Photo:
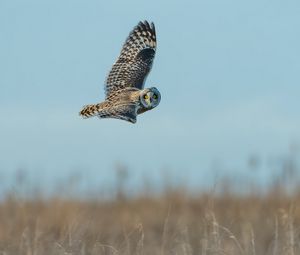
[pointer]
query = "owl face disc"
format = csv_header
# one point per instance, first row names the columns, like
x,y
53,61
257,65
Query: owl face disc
x,y
150,98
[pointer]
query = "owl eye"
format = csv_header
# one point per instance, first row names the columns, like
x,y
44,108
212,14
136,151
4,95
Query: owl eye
x,y
154,96
146,96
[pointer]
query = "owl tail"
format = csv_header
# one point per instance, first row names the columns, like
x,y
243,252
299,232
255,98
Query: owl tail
x,y
122,112
90,110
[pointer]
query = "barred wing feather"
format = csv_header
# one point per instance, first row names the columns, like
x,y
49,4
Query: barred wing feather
x,y
135,60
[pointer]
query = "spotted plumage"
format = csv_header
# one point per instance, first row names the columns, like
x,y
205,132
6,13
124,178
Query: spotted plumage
x,y
125,93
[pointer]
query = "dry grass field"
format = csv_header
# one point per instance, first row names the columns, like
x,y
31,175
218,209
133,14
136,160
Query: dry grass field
x,y
174,222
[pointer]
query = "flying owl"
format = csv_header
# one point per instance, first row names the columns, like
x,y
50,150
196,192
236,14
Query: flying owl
x,y
126,96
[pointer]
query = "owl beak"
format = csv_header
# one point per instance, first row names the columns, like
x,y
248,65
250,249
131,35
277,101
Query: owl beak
x,y
148,101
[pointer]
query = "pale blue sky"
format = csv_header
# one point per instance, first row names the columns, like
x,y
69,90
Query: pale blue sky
x,y
228,72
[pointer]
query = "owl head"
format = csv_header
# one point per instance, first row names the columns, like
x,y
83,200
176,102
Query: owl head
x,y
150,97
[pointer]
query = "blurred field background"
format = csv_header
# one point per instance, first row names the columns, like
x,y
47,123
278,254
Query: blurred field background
x,y
228,218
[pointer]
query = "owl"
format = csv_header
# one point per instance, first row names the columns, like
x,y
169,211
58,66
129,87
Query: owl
x,y
126,96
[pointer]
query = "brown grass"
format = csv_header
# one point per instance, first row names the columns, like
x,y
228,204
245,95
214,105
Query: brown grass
x,y
172,223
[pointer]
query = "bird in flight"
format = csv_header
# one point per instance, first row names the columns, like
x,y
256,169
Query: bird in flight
x,y
126,96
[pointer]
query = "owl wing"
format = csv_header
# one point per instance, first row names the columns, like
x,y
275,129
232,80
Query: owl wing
x,y
135,60
124,112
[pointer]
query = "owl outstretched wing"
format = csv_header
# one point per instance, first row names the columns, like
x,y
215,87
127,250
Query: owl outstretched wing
x,y
135,60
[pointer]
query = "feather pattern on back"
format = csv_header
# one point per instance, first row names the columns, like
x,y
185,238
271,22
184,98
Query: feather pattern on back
x,y
123,104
